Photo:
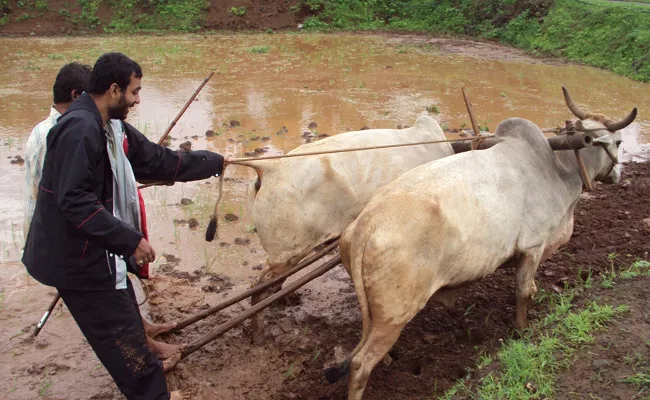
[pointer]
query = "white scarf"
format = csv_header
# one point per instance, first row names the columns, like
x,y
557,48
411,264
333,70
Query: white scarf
x,y
126,205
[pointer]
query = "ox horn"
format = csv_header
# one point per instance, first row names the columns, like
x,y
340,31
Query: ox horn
x,y
618,125
572,106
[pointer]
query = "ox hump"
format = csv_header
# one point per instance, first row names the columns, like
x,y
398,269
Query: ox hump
x,y
524,130
429,124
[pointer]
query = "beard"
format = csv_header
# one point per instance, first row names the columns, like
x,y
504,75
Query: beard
x,y
121,110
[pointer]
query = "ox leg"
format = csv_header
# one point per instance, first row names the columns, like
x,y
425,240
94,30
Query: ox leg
x,y
525,283
447,297
380,340
257,321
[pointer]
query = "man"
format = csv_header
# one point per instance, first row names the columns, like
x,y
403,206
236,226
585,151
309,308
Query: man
x,y
84,233
69,84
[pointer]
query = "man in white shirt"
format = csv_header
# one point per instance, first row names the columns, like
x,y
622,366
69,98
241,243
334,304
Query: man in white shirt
x,y
70,83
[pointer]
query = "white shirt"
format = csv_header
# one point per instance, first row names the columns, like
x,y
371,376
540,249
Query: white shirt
x,y
34,158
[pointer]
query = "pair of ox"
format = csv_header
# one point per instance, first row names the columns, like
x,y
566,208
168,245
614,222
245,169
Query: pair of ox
x,y
416,239
451,222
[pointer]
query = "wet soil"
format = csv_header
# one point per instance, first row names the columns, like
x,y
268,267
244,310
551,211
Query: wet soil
x,y
321,323
602,370
438,346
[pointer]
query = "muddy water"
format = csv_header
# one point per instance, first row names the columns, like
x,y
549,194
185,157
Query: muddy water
x,y
267,82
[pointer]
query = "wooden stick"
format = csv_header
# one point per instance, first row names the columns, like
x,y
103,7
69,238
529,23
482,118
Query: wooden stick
x,y
471,114
292,287
47,314
196,93
558,143
583,171
253,291
171,126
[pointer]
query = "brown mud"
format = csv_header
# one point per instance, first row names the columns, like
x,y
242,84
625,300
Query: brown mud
x,y
322,318
438,346
321,322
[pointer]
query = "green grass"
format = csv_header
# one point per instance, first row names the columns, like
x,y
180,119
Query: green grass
x,y
44,388
527,367
637,269
259,49
605,3
639,380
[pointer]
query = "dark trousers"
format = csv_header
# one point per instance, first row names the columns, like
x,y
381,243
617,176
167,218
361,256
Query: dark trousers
x,y
111,322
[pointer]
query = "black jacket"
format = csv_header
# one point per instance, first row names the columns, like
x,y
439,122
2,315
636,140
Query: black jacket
x,y
73,232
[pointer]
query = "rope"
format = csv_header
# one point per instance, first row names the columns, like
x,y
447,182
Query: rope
x,y
476,141
242,161
145,288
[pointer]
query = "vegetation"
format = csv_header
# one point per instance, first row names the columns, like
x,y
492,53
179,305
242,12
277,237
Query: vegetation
x,y
527,367
174,15
610,35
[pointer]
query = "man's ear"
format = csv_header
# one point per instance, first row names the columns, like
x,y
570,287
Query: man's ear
x,y
114,90
74,94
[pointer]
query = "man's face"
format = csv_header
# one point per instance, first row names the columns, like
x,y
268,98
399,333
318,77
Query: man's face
x,y
121,101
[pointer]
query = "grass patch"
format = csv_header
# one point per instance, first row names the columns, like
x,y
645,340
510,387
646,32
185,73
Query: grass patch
x,y
639,380
639,268
527,367
259,49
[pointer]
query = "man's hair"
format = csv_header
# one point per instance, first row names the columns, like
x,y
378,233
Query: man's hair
x,y
73,76
112,68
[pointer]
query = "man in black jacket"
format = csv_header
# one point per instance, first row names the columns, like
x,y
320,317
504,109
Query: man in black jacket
x,y
85,232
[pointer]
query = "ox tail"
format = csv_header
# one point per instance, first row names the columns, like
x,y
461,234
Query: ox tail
x,y
257,185
365,227
211,231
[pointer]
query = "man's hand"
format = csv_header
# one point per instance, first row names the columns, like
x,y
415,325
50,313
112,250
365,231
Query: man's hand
x,y
226,161
144,253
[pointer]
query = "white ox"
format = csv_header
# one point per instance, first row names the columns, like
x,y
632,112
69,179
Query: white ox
x,y
299,203
453,221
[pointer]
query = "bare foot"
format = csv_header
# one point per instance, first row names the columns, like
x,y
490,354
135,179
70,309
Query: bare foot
x,y
170,363
153,330
164,350
179,395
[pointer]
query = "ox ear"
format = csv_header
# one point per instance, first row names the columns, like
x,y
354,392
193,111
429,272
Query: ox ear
x,y
608,139
605,139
